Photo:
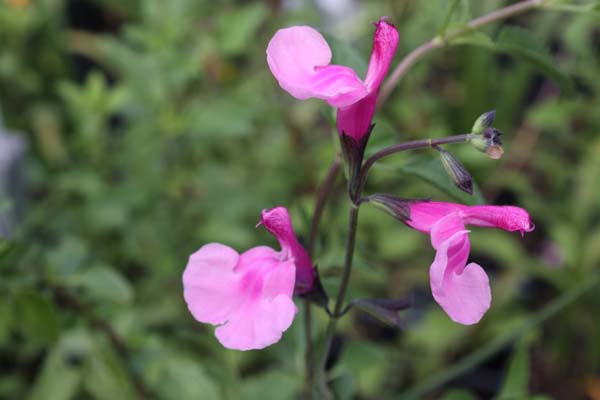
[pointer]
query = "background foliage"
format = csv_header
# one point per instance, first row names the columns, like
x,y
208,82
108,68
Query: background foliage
x,y
155,127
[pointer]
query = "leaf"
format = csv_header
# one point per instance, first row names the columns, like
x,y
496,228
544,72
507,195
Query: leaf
x,y
237,29
37,317
473,37
105,377
451,10
432,171
67,257
517,377
344,386
458,394
213,118
367,364
592,8
103,283
520,43
7,318
344,54
184,378
270,385
62,370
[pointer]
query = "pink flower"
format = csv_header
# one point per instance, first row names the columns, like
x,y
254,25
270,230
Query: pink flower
x,y
249,295
299,59
462,290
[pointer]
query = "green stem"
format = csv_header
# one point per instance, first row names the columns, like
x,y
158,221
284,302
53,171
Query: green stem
x,y
323,193
351,239
321,199
308,357
341,296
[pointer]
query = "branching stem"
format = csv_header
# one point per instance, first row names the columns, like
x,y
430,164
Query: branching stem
x,y
425,48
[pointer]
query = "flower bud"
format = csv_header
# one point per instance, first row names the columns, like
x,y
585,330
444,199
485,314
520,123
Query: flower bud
x,y
384,310
484,121
489,142
459,174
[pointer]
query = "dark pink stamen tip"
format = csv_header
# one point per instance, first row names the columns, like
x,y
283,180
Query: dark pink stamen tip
x,y
385,19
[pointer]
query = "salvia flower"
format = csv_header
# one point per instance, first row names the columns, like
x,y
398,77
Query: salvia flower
x,y
462,290
249,295
299,58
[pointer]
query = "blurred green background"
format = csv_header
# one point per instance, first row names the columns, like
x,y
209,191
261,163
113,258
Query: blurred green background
x,y
154,127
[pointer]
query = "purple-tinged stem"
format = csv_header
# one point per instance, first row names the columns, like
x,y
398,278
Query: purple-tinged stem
x,y
397,148
416,54
322,195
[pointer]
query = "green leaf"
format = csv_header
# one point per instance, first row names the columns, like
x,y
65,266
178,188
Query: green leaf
x,y
37,317
271,385
344,386
452,8
432,171
344,54
183,378
67,257
517,377
592,8
7,318
103,283
475,38
458,394
105,376
62,370
521,43
237,29
366,362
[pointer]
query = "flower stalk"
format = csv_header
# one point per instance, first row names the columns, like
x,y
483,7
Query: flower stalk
x,y
418,53
341,296
355,100
400,147
321,199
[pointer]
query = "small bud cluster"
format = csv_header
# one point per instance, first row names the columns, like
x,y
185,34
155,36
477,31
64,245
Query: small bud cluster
x,y
485,138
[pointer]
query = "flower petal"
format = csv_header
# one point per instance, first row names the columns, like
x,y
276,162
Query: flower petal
x,y
385,43
355,120
463,292
508,218
424,215
299,59
445,228
265,315
209,283
277,221
258,324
